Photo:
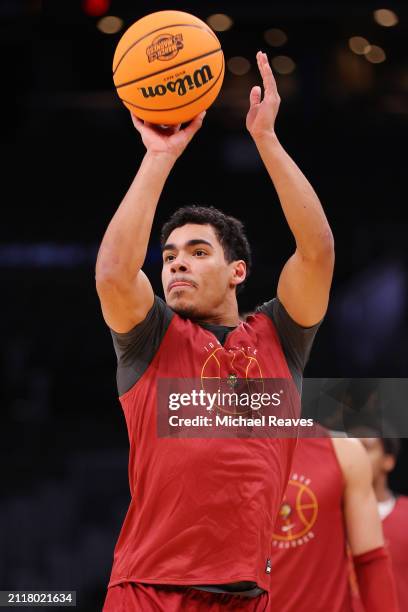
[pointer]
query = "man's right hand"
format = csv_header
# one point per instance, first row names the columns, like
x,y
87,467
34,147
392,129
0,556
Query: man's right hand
x,y
171,140
124,290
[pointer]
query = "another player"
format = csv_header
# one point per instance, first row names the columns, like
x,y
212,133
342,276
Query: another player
x,y
393,508
197,532
329,502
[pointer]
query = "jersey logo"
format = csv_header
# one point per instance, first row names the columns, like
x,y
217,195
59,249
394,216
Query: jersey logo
x,y
297,515
232,380
232,370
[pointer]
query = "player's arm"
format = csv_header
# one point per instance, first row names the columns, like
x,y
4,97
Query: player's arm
x,y
305,280
364,530
125,292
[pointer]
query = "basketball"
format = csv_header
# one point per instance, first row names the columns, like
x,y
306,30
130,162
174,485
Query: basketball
x,y
168,67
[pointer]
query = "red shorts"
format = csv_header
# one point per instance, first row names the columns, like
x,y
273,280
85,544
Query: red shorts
x,y
137,597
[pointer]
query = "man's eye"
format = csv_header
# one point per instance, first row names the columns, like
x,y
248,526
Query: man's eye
x,y
199,252
169,258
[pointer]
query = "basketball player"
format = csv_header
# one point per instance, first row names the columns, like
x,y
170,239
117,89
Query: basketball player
x,y
329,501
197,532
393,509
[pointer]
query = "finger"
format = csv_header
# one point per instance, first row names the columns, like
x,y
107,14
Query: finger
x,y
255,96
165,130
267,76
259,61
261,66
168,129
264,69
200,116
195,125
138,123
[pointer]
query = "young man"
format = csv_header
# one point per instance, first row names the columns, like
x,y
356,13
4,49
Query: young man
x,y
393,509
329,503
197,533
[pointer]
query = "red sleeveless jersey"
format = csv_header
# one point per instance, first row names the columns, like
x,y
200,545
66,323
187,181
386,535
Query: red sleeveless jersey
x,y
202,510
310,568
395,527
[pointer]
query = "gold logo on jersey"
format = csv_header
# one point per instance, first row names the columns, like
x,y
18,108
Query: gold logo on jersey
x,y
297,515
246,375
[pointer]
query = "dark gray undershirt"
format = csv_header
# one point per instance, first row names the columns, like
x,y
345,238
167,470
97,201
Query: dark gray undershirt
x,y
136,348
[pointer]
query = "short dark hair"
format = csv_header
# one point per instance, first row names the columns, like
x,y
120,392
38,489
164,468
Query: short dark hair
x,y
391,446
229,231
389,439
385,433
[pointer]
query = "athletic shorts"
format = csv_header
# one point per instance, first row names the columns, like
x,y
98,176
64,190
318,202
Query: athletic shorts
x,y
137,597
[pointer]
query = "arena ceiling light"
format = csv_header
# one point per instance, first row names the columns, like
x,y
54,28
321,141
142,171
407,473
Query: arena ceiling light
x,y
95,8
275,37
282,64
238,65
376,55
385,17
110,24
220,22
359,45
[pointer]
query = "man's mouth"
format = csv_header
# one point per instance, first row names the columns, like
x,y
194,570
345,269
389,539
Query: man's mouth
x,y
177,284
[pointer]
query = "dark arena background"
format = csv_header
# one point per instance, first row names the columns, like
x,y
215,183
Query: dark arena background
x,y
69,154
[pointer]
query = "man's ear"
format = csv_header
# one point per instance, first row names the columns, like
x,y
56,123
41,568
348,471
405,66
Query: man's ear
x,y
238,272
389,462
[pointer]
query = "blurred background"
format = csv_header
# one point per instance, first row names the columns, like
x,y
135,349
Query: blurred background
x,y
70,154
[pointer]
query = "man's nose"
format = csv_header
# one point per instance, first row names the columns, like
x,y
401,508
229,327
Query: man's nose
x,y
179,265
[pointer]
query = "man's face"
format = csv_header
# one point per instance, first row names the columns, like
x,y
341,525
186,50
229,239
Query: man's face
x,y
196,277
381,462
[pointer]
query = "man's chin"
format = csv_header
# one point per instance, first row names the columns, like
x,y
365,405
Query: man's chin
x,y
183,307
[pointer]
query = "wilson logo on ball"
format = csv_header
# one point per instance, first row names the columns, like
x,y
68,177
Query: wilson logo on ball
x,y
200,77
164,47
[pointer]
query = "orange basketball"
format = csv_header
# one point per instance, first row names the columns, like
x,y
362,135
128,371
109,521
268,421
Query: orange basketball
x,y
168,67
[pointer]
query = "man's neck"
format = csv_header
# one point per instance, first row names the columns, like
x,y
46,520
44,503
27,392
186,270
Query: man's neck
x,y
382,492
228,316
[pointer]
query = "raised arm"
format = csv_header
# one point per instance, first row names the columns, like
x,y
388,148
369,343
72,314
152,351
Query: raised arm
x,y
363,523
125,292
364,531
305,280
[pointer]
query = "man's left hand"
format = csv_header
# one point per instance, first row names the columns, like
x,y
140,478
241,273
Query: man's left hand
x,y
261,116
